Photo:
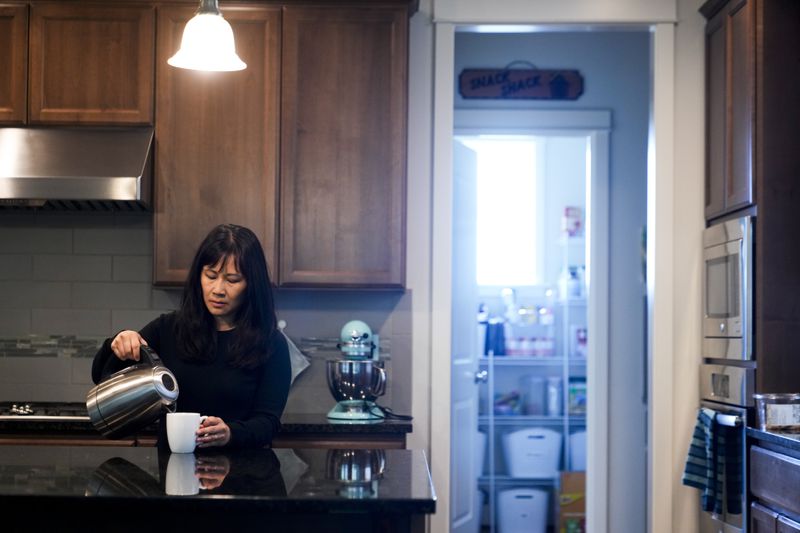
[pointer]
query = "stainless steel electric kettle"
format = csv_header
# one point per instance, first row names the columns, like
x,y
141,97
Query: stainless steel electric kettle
x,y
132,398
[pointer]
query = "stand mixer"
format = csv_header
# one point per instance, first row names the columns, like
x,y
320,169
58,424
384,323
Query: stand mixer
x,y
358,378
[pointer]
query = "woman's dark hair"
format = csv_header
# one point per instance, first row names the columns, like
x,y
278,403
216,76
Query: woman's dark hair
x,y
255,318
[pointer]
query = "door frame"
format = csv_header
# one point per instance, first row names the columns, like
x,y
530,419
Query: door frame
x,y
660,205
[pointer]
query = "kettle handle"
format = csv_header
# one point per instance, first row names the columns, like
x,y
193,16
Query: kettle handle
x,y
150,354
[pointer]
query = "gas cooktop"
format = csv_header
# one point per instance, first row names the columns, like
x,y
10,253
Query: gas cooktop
x,y
43,412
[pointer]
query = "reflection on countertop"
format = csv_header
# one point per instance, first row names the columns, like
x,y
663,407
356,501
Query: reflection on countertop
x,y
293,483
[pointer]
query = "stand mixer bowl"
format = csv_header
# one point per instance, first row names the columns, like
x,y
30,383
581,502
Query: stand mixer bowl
x,y
356,379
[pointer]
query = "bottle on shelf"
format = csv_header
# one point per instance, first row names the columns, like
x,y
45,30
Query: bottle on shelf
x,y
495,337
570,286
483,322
554,396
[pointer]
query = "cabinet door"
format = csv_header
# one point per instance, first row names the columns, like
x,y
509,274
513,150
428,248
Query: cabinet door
x,y
730,108
14,67
785,525
741,105
343,139
715,115
91,63
216,140
762,519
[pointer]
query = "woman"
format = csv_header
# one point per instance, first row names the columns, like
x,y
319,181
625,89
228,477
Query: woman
x,y
223,345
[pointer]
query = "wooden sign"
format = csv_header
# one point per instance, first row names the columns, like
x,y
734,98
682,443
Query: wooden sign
x,y
524,84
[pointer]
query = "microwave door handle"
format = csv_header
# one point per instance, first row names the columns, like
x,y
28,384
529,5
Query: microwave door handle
x,y
729,420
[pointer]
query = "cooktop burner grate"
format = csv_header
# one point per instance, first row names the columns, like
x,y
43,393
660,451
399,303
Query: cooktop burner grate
x,y
42,411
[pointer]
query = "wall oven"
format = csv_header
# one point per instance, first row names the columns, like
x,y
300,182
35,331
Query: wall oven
x,y
728,295
728,391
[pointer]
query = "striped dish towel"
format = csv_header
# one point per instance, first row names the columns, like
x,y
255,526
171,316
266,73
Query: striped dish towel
x,y
733,469
705,463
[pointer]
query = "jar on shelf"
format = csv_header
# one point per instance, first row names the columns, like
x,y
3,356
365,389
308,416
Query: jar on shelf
x,y
546,317
544,347
526,346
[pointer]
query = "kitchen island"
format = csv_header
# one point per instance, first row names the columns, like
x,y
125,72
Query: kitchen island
x,y
98,488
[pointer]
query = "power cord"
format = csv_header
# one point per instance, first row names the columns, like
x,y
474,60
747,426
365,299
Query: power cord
x,y
387,413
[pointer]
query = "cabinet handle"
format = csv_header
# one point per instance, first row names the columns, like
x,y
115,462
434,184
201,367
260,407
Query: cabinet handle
x,y
481,376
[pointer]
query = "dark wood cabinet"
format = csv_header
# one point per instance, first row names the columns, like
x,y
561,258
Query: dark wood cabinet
x,y
216,140
13,68
753,115
307,146
730,103
343,139
331,82
91,63
774,482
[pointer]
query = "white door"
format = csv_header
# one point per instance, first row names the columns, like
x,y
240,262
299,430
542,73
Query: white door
x,y
464,501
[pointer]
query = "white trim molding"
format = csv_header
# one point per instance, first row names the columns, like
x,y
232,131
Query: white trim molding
x,y
444,38
543,12
660,283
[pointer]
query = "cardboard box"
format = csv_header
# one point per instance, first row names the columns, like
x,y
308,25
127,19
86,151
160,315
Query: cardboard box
x,y
572,503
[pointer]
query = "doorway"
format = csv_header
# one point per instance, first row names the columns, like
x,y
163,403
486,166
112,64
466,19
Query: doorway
x,y
630,333
530,210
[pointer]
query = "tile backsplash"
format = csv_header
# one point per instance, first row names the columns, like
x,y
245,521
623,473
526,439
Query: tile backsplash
x,y
71,279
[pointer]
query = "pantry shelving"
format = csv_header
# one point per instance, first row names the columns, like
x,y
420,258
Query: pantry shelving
x,y
537,384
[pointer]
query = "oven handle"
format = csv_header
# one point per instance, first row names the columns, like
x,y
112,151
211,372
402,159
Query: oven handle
x,y
729,420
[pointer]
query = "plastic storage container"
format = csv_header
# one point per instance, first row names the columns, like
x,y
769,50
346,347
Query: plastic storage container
x,y
522,511
778,412
577,451
532,452
533,394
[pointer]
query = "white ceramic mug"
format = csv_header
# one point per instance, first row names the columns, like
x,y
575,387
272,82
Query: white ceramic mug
x,y
181,477
182,431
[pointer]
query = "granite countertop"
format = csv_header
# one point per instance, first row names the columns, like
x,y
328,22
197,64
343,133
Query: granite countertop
x,y
292,424
102,481
787,440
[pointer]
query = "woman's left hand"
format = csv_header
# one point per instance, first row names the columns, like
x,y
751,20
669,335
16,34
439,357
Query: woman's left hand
x,y
213,432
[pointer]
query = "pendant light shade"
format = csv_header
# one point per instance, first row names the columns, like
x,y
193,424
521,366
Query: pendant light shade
x,y
207,42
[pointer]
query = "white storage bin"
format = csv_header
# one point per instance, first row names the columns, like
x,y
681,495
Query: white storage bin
x,y
532,452
577,451
522,511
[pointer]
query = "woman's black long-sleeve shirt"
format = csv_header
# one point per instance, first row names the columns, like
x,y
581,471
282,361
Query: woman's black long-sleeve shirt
x,y
250,401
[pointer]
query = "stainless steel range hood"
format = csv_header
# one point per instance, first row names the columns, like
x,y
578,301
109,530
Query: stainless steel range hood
x,y
76,168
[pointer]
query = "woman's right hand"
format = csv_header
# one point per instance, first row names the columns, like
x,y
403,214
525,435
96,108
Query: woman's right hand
x,y
126,345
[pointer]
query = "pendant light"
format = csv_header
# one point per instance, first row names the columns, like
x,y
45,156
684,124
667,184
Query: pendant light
x,y
207,42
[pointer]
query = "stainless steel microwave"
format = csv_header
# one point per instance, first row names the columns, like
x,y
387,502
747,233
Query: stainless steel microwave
x,y
728,289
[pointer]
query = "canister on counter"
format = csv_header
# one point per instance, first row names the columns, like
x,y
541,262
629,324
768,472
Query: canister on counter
x,y
779,413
